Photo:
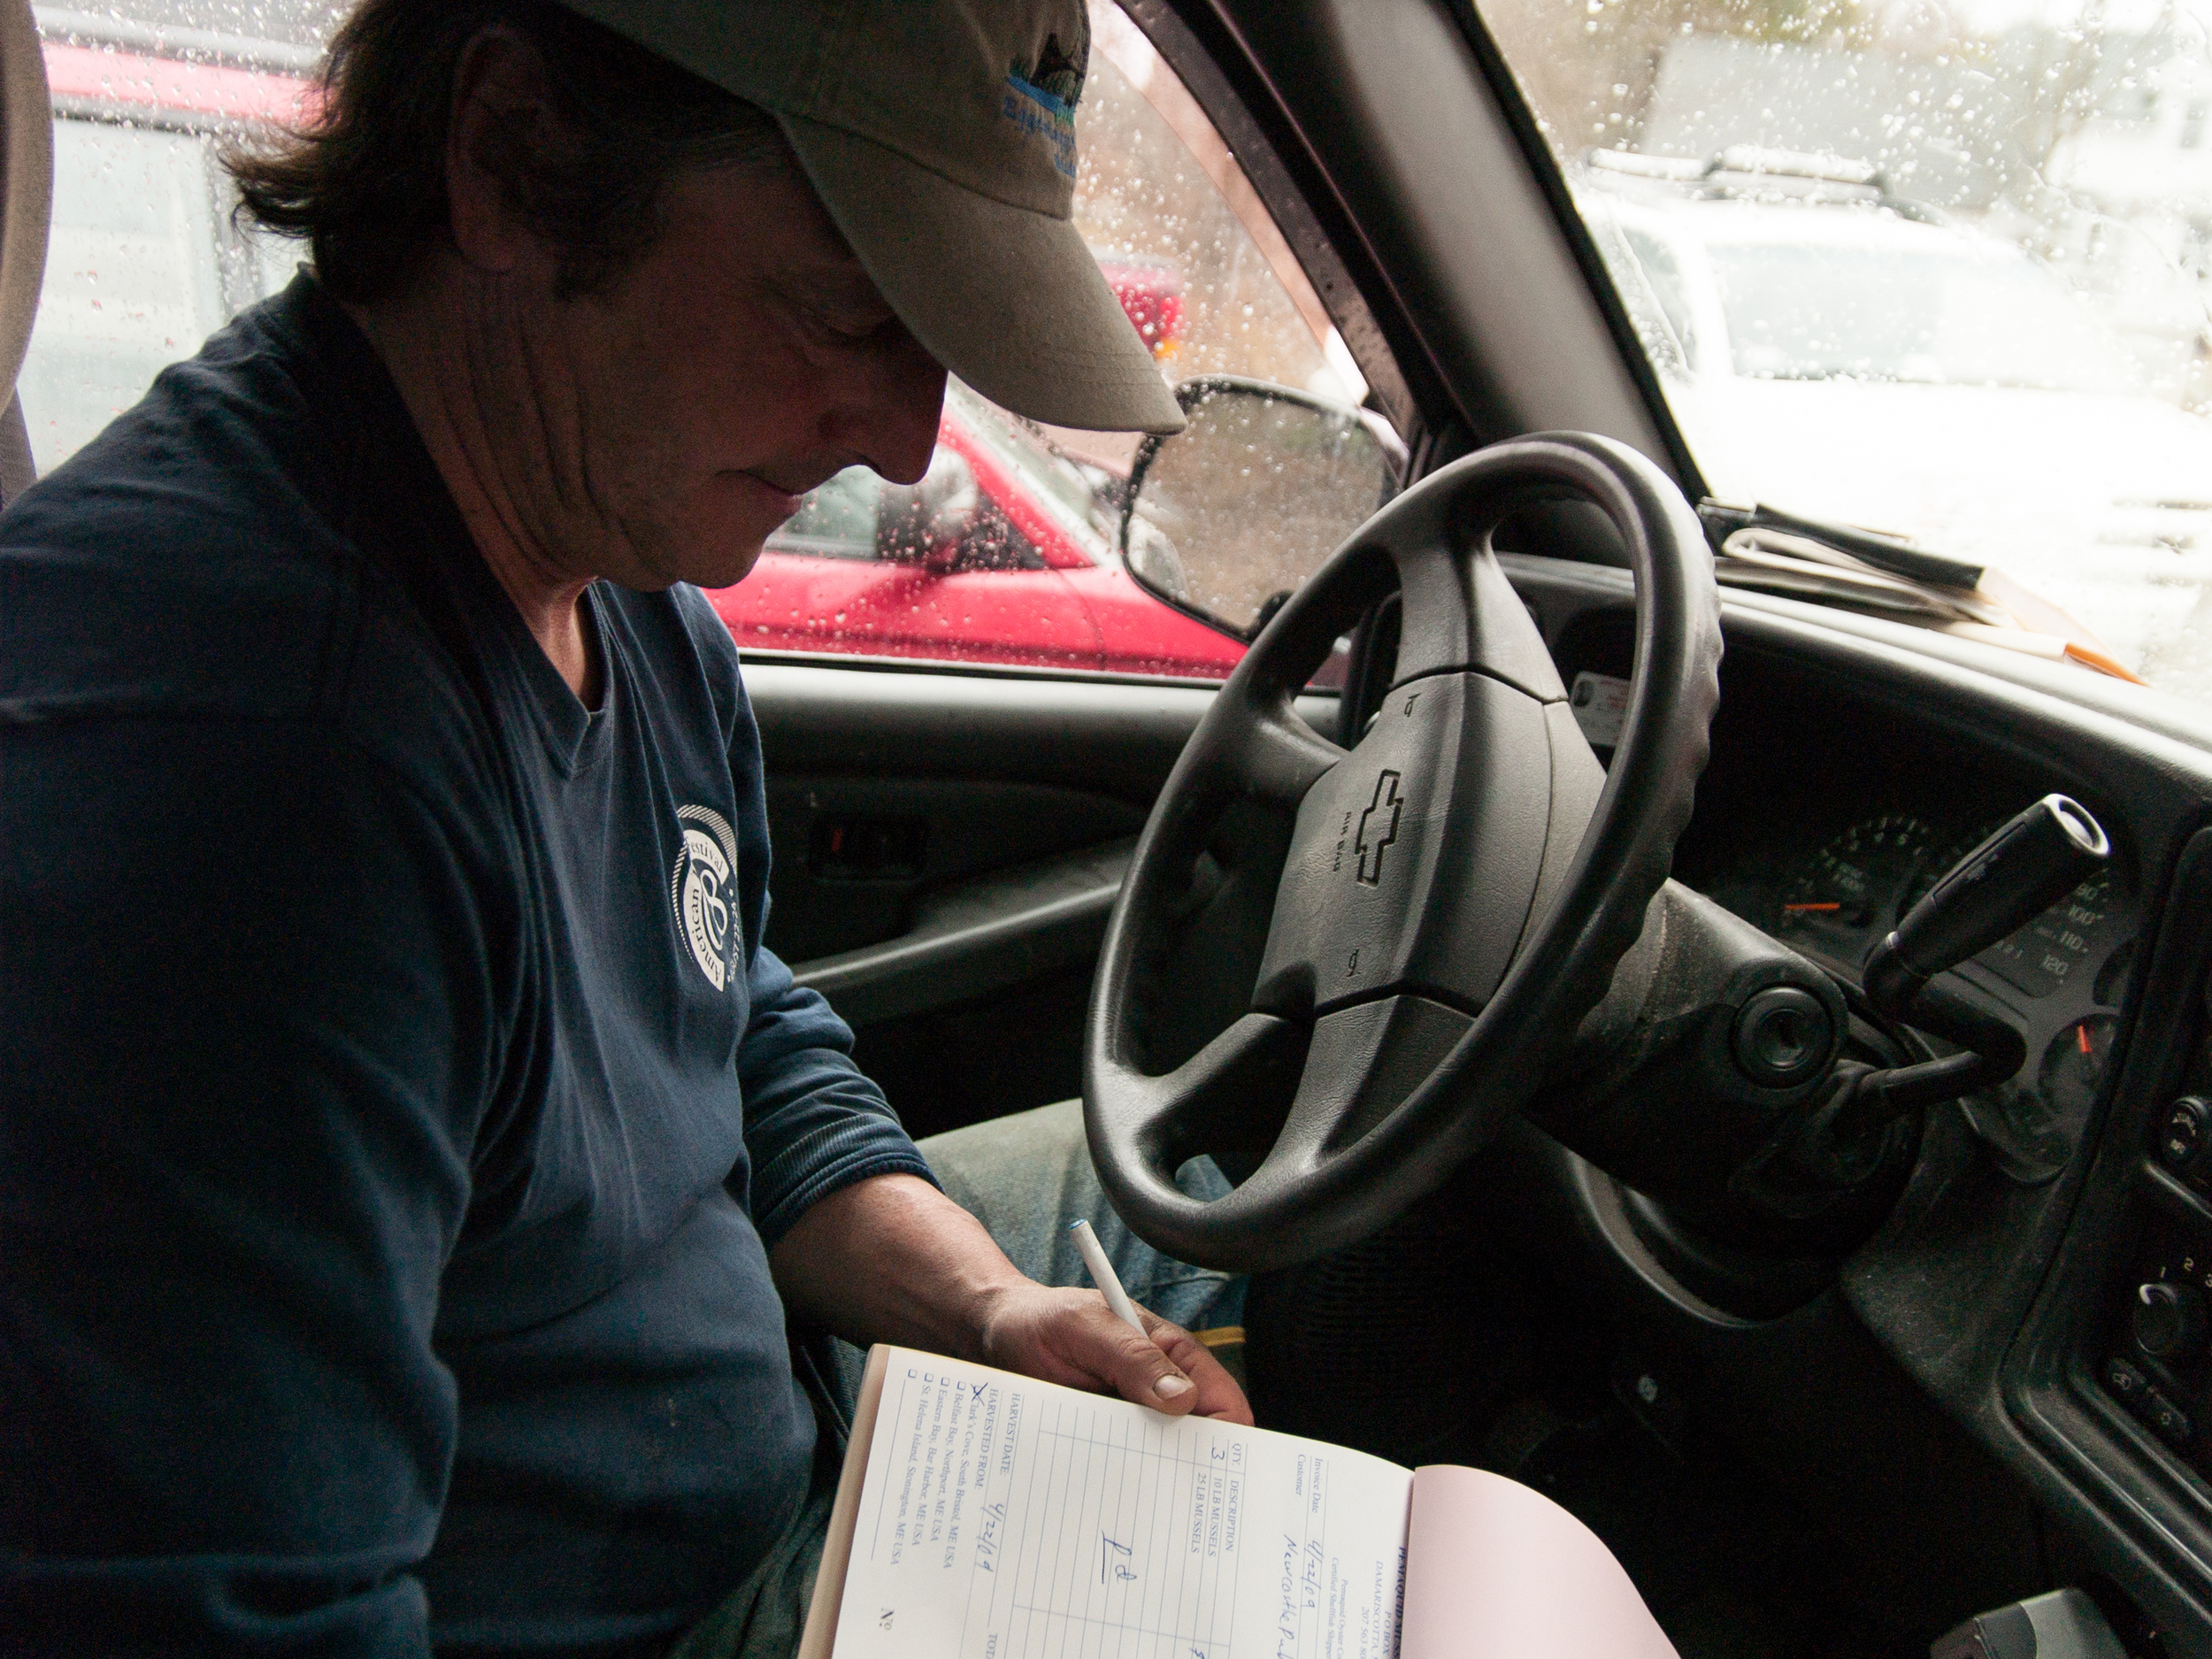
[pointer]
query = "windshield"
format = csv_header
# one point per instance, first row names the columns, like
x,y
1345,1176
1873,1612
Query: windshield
x,y
1939,271
1816,313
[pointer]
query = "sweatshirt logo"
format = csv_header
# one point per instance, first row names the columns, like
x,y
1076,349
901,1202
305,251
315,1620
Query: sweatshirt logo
x,y
704,891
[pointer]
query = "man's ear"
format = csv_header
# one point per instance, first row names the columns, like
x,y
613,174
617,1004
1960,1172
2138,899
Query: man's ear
x,y
503,107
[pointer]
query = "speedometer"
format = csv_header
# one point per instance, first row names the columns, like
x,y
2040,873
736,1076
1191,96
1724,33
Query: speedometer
x,y
1849,893
2058,948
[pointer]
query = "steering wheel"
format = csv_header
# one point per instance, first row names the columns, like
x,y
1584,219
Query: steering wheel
x,y
1459,886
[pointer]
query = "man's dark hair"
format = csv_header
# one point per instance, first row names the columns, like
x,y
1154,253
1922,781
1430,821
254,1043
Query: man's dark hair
x,y
364,177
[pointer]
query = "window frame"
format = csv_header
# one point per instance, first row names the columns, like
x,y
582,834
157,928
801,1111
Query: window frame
x,y
26,200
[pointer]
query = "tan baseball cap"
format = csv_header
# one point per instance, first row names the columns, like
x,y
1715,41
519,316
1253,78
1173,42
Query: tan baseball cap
x,y
941,135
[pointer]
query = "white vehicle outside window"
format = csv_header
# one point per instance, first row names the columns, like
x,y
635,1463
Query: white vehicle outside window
x,y
1939,272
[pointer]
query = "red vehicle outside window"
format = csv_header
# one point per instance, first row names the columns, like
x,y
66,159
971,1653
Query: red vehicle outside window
x,y
1005,552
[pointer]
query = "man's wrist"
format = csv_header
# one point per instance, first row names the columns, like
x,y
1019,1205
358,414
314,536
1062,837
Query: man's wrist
x,y
990,1306
891,1258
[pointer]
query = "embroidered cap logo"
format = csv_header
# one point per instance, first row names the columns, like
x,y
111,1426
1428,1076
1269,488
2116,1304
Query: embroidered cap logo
x,y
704,891
1040,98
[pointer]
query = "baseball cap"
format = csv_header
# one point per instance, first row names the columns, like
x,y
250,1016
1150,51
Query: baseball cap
x,y
940,136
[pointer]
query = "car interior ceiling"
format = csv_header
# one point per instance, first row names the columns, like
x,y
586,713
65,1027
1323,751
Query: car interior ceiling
x,y
1837,1451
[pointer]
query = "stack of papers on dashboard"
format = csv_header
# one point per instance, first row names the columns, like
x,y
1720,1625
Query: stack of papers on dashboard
x,y
1996,611
988,1516
1779,562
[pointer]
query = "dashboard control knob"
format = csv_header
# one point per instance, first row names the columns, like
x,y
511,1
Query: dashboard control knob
x,y
1782,1036
2169,1320
2171,1421
2181,1136
2124,1381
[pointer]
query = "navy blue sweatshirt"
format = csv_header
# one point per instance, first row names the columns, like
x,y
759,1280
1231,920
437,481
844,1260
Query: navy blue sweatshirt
x,y
396,1105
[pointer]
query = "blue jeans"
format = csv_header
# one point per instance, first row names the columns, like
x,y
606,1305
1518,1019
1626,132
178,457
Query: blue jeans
x,y
1026,1177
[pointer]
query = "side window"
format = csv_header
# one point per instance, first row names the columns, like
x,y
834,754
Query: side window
x,y
948,522
131,283
144,261
1009,550
839,520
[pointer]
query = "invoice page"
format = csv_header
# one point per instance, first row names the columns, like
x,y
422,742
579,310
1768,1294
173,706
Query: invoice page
x,y
1007,1518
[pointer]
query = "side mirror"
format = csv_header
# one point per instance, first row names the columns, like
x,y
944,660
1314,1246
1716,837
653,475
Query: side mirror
x,y
1152,559
1226,518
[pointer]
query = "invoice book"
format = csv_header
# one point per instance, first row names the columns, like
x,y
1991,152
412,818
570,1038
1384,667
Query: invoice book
x,y
987,1516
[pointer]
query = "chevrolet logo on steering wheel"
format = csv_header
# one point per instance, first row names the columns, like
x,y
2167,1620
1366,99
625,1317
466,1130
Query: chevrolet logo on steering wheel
x,y
1377,828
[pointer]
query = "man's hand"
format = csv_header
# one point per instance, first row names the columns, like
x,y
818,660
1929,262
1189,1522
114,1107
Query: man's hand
x,y
894,1260
1071,1337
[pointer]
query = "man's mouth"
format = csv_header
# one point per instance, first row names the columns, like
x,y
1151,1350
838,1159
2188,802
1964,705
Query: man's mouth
x,y
784,502
794,483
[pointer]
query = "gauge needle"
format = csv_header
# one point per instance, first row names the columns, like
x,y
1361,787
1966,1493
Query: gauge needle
x,y
2081,1036
1831,904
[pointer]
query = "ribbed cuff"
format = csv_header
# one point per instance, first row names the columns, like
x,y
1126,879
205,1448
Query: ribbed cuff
x,y
881,1150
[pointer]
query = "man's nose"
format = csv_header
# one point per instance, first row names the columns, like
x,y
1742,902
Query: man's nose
x,y
891,417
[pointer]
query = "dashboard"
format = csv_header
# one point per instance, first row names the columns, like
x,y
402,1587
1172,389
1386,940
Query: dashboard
x,y
2045,1276
1823,825
1831,873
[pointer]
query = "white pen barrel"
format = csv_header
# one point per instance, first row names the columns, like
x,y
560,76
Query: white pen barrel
x,y
1103,1276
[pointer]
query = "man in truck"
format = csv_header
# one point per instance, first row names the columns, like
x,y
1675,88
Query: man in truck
x,y
412,1167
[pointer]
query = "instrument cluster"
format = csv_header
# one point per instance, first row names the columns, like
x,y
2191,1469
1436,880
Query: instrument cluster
x,y
1824,817
1834,890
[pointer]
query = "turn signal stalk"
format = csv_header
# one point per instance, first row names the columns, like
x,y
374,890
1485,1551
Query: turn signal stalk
x,y
2034,860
